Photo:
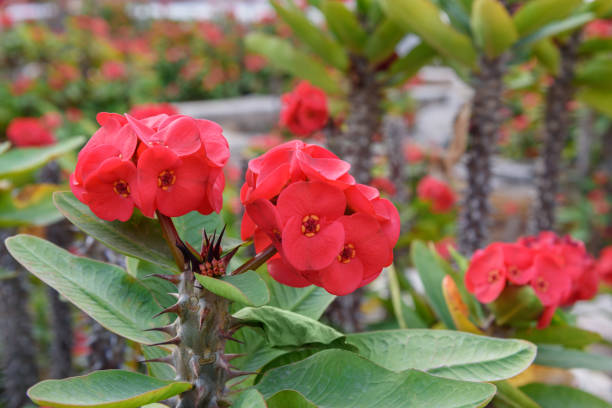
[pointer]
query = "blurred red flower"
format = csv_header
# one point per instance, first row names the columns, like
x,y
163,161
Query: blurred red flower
x,y
304,109
436,192
29,132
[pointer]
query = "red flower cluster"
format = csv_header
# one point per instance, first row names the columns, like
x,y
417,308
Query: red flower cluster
x,y
304,110
328,230
559,270
152,109
604,265
29,132
436,192
168,163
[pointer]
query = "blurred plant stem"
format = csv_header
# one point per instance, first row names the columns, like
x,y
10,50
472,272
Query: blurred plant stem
x,y
19,367
557,123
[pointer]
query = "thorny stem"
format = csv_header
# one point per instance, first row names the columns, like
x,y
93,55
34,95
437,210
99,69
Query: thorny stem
x,y
258,260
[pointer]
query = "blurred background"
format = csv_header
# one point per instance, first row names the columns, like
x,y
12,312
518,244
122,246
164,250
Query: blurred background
x,y
62,62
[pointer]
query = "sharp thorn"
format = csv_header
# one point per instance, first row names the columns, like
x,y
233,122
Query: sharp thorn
x,y
165,360
175,308
175,340
166,329
230,357
228,257
170,278
234,374
229,337
175,295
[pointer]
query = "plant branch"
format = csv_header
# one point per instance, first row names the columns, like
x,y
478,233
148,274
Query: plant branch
x,y
258,260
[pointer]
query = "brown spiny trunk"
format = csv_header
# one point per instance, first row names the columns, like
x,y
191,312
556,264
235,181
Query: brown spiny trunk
x,y
484,124
557,122
364,119
19,367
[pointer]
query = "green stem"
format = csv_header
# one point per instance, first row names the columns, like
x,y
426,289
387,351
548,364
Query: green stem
x,y
258,260
172,238
396,296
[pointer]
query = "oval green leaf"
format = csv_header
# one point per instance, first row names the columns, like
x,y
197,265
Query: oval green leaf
x,y
341,379
561,396
450,354
16,162
284,328
139,237
250,398
567,336
557,356
105,292
105,389
246,288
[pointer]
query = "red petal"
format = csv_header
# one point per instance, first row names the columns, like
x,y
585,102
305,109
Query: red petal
x,y
144,132
285,274
389,219
306,198
322,169
264,215
371,245
518,260
151,163
271,185
216,146
479,273
115,134
188,190
92,159
342,278
247,227
311,253
546,317
550,284
180,134
101,196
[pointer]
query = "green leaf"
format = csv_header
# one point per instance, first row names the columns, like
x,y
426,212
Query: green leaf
x,y
432,274
32,206
596,73
310,301
247,288
556,28
493,27
104,291
330,51
105,389
450,354
250,398
510,396
548,55
15,162
567,336
162,371
538,13
598,99
283,328
594,45
291,399
561,396
139,237
341,379
383,41
410,64
344,25
557,356
283,55
159,288
190,226
423,18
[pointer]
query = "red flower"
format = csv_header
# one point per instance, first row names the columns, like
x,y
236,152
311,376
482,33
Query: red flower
x,y
550,284
176,167
384,184
328,231
311,236
486,275
364,253
109,190
113,70
413,153
604,265
438,193
29,132
152,109
304,110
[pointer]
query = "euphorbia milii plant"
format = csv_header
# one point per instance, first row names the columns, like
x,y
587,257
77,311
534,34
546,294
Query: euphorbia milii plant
x,y
144,186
